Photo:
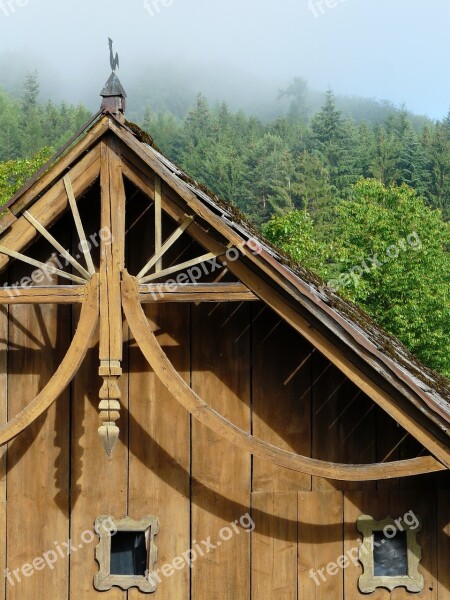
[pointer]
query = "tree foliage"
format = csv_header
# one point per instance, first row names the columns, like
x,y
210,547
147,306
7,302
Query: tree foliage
x,y
390,254
331,191
14,173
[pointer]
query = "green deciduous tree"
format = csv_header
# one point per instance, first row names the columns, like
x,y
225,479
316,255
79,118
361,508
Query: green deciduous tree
x,y
14,173
295,234
408,293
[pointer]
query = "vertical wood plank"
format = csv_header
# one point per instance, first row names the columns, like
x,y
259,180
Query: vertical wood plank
x,y
3,418
99,484
112,262
355,505
220,471
38,459
281,398
112,252
320,543
424,504
160,428
343,423
443,546
274,546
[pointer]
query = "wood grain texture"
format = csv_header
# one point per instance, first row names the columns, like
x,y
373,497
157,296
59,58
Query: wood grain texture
x,y
112,252
281,398
158,222
222,426
58,294
424,505
160,251
4,334
284,279
38,460
320,543
195,292
99,484
286,309
159,428
220,471
343,421
63,375
54,242
356,504
443,544
274,546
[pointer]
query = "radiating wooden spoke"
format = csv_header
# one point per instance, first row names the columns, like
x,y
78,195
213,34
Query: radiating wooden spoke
x,y
63,252
181,267
79,225
158,222
66,371
40,265
165,247
181,391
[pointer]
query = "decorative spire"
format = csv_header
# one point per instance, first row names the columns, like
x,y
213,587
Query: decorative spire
x,y
113,94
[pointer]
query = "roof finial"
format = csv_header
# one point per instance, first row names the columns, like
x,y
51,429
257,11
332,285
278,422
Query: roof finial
x,y
113,93
114,60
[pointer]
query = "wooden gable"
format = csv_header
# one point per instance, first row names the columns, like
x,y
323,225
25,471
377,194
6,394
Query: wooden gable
x,y
295,415
111,153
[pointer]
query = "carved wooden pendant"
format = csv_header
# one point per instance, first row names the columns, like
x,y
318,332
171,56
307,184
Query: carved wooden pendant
x,y
109,406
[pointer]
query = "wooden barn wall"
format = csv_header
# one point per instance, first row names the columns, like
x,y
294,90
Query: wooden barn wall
x,y
247,364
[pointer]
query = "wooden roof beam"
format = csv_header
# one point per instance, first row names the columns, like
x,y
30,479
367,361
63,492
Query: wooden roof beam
x,y
196,292
54,294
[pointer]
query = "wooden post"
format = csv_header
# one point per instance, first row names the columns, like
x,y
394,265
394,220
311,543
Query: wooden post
x,y
112,259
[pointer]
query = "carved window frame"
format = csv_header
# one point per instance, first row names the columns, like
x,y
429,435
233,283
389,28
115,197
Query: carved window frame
x,y
105,527
368,582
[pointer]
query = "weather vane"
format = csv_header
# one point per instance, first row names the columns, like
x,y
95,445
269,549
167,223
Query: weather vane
x,y
113,59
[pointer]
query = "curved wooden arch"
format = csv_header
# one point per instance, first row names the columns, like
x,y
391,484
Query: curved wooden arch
x,y
199,409
66,370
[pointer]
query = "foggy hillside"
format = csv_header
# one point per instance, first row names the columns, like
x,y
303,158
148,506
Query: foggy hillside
x,y
173,87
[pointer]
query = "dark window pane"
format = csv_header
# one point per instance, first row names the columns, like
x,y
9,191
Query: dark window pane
x,y
128,553
390,555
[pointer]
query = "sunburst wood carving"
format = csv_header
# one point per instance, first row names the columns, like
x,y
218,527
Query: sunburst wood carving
x,y
109,292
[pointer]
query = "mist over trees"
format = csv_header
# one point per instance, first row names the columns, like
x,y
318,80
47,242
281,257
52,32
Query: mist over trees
x,y
26,125
330,183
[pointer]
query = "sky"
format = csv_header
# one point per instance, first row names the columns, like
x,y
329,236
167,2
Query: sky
x,y
387,49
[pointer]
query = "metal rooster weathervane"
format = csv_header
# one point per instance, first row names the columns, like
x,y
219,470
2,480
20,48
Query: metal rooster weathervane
x,y
114,60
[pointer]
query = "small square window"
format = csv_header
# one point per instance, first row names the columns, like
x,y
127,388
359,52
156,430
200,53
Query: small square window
x,y
390,554
126,553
